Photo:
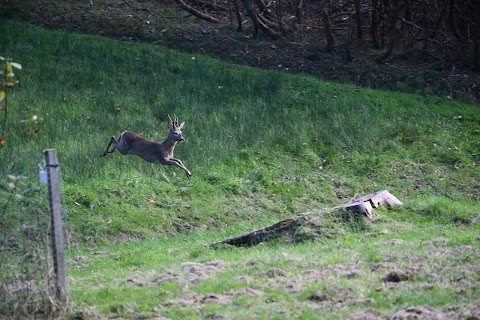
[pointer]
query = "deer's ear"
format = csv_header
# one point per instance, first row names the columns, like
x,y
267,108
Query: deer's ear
x,y
181,125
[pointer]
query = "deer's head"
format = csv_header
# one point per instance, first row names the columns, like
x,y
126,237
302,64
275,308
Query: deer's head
x,y
175,128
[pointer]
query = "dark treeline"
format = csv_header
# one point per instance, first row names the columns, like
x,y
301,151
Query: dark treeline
x,y
444,29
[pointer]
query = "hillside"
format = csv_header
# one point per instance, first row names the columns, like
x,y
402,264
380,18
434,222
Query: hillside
x,y
262,146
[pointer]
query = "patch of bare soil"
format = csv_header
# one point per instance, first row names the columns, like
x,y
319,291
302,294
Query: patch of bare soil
x,y
425,313
365,315
188,273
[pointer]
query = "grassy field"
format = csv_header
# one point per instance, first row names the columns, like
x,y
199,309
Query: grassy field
x,y
262,146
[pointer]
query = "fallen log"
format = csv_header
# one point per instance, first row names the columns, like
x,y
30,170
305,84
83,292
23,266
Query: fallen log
x,y
362,206
366,204
196,12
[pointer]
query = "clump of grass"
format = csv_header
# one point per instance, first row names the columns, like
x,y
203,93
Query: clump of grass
x,y
447,211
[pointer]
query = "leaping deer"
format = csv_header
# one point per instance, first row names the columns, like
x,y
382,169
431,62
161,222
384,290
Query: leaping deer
x,y
151,151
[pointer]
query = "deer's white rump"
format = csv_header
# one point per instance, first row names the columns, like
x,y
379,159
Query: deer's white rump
x,y
151,151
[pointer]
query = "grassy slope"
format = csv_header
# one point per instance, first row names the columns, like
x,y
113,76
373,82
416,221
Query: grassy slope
x,y
261,145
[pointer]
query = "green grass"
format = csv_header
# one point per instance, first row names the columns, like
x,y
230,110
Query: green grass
x,y
127,275
262,146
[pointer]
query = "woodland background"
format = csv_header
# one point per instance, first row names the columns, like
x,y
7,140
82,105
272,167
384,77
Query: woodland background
x,y
429,47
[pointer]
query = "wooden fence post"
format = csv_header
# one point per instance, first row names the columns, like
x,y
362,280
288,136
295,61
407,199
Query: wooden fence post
x,y
53,169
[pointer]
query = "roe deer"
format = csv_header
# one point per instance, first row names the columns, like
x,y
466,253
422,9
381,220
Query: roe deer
x,y
151,151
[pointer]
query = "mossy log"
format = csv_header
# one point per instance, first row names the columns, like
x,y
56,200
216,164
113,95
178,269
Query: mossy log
x,y
362,206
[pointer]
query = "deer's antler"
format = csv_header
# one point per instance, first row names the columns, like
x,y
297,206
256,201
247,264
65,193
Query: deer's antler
x,y
173,123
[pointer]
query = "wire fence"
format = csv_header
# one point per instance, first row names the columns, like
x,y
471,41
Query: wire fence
x,y
28,282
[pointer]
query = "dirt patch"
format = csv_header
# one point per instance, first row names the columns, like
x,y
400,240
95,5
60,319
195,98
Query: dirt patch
x,y
189,273
192,273
191,299
365,315
249,292
275,272
424,313
397,276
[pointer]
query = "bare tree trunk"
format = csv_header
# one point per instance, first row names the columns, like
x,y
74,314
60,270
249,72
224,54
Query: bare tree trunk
x,y
257,24
475,33
230,12
298,11
425,27
358,19
196,13
452,20
476,55
239,16
348,37
328,31
253,16
374,25
388,52
391,31
279,10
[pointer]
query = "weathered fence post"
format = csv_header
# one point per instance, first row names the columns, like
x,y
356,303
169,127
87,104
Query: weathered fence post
x,y
53,169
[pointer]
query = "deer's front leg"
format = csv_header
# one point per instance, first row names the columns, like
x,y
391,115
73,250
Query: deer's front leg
x,y
112,141
177,163
188,173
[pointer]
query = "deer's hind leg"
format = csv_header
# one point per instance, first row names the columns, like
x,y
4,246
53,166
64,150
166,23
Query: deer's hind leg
x,y
112,141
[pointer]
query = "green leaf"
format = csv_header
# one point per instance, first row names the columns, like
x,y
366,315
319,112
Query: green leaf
x,y
2,95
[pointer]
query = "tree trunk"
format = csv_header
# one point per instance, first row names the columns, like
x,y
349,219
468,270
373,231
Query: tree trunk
x,y
358,19
298,11
374,25
328,31
257,24
388,52
348,37
253,16
452,20
391,31
425,27
279,10
239,16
